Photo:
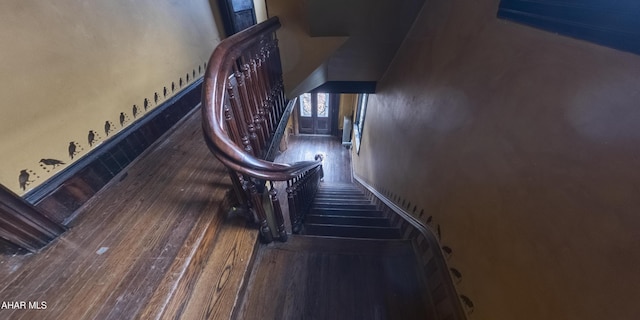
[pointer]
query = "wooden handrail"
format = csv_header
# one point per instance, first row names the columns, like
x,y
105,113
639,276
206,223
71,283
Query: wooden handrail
x,y
243,107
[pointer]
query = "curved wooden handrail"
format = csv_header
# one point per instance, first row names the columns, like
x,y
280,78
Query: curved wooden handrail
x,y
215,83
244,112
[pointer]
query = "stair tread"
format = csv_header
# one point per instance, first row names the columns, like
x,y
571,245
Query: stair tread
x,y
352,231
360,213
346,220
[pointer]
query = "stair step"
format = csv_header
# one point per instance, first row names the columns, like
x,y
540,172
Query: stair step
x,y
329,202
340,194
337,186
352,190
329,230
338,197
346,212
345,206
347,220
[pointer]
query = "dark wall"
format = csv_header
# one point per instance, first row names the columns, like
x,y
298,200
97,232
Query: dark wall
x,y
523,147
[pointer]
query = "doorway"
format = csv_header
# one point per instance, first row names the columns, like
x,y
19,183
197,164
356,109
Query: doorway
x,y
315,113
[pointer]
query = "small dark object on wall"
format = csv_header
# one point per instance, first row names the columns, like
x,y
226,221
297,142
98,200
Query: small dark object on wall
x,y
193,73
72,149
447,250
134,110
91,137
456,274
439,233
429,219
165,91
122,119
180,82
156,97
187,77
23,179
145,104
51,162
173,86
107,128
467,302
199,69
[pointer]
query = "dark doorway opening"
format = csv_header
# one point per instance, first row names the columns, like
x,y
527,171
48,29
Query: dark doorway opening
x,y
315,113
237,15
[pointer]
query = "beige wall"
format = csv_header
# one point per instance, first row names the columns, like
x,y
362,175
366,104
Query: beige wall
x,y
69,67
524,147
301,54
347,106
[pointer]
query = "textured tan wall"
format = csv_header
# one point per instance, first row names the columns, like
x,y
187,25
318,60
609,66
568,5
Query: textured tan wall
x,y
347,106
70,66
301,54
524,148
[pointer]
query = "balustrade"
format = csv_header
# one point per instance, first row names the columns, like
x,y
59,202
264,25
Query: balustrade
x,y
244,115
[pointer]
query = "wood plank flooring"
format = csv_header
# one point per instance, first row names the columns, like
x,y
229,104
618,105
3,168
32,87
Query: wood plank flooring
x,y
154,243
331,278
337,159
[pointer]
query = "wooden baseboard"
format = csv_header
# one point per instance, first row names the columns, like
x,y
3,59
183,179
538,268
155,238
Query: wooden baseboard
x,y
59,197
444,296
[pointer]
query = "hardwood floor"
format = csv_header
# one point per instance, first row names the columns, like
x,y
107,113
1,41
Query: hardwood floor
x,y
337,159
154,243
331,278
157,243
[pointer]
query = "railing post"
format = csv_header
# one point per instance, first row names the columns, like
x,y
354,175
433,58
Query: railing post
x,y
243,109
277,212
256,202
296,224
240,123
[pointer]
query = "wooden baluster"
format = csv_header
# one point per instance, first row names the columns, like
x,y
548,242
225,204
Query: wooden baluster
x,y
258,112
240,122
272,75
264,96
251,104
277,212
256,202
245,106
262,77
232,126
242,196
277,72
296,223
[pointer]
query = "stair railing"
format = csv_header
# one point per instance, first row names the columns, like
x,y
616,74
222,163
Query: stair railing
x,y
245,112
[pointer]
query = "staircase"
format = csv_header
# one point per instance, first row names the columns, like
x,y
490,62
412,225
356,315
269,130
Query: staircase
x,y
342,210
348,263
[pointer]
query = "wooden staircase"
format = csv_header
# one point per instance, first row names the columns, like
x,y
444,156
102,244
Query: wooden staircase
x,y
348,263
342,210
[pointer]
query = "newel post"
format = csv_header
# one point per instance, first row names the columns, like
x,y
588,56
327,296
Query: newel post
x,y
277,212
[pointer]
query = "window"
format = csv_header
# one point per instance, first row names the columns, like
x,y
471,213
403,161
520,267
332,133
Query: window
x,y
612,23
314,116
358,126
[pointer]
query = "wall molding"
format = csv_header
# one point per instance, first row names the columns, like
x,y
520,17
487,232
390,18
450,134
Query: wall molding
x,y
444,294
61,195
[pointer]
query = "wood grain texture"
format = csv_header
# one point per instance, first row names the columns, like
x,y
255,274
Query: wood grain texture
x,y
60,197
336,162
142,244
325,278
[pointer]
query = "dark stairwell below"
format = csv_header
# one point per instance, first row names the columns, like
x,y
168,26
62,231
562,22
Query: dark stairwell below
x,y
349,262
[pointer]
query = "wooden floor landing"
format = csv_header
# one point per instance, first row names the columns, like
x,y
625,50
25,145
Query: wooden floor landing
x,y
331,278
337,159
153,244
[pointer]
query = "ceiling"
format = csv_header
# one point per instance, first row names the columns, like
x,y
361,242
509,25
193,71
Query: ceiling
x,y
369,34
